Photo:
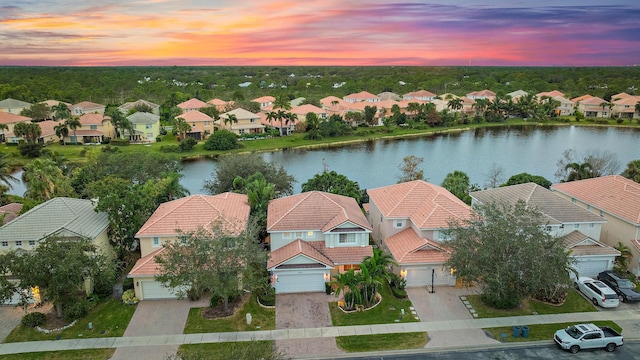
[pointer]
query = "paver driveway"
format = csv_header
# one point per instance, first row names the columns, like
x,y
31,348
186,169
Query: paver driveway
x,y
10,317
445,304
156,317
305,310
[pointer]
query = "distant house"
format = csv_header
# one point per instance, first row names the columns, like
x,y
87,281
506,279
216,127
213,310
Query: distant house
x,y
171,221
314,235
422,95
264,101
617,200
302,111
625,107
51,104
592,106
409,220
94,129
517,94
9,212
201,124
48,134
87,107
361,96
128,106
10,120
248,122
13,106
146,127
388,95
566,106
221,105
482,94
550,94
579,228
192,104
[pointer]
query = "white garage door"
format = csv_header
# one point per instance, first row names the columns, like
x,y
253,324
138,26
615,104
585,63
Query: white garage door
x,y
591,267
153,290
421,276
299,281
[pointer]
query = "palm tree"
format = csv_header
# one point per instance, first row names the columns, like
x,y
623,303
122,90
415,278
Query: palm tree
x,y
73,123
347,283
632,171
6,168
281,115
637,108
62,131
29,131
413,108
290,120
481,106
40,177
579,171
61,111
455,104
183,127
230,119
114,116
271,115
604,105
622,261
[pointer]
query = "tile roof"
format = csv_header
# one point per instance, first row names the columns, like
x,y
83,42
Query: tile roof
x,y
419,93
52,103
388,95
594,100
92,119
192,103
552,93
143,118
241,114
485,93
317,251
428,206
306,108
557,210
326,101
86,105
132,104
13,103
581,98
582,245
264,99
194,115
217,102
47,128
407,247
191,212
54,216
146,266
9,118
614,194
314,210
10,212
361,96
620,96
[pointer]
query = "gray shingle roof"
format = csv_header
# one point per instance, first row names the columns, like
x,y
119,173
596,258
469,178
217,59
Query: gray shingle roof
x,y
557,209
13,103
143,118
57,216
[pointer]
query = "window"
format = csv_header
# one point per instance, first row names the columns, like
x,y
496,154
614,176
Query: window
x,y
589,207
183,239
398,224
18,243
573,200
347,239
148,126
286,235
592,225
93,127
349,267
299,235
207,123
310,234
253,120
576,226
156,241
32,243
241,131
5,244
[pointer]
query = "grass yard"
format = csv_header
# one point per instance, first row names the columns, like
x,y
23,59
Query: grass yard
x,y
91,354
229,350
540,331
574,303
381,342
262,317
388,311
110,319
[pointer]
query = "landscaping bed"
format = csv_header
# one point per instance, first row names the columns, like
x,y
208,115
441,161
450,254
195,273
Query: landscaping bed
x,y
539,331
203,320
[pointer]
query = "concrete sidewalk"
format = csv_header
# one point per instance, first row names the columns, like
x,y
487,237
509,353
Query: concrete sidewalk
x,y
307,333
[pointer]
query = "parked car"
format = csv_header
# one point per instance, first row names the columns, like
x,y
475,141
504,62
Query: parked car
x,y
587,336
625,289
597,291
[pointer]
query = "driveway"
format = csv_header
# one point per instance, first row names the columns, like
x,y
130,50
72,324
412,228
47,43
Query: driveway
x,y
157,317
445,304
305,310
10,317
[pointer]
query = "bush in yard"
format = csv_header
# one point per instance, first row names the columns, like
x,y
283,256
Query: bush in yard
x,y
268,296
222,140
129,297
215,300
77,310
30,150
187,144
34,319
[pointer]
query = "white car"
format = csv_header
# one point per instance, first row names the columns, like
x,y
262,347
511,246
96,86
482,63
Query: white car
x,y
597,291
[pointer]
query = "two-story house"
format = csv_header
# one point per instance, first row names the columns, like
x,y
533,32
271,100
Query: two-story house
x,y
361,96
409,220
579,229
245,122
87,107
10,120
313,236
132,105
146,127
617,200
94,128
264,101
174,219
202,125
192,104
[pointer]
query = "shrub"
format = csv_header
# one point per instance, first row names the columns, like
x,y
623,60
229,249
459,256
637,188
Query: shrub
x,y
31,150
187,144
215,300
34,319
602,121
127,284
222,140
327,288
268,296
619,121
397,281
158,138
398,293
106,140
103,283
169,148
129,297
163,131
120,142
77,310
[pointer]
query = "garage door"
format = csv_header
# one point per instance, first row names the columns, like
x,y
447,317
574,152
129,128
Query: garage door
x,y
421,276
153,290
590,267
299,281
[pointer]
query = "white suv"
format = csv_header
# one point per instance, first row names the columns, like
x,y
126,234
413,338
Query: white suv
x,y
598,292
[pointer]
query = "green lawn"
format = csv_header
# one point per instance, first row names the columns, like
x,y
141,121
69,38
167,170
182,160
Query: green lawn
x,y
540,331
382,342
92,354
229,350
263,318
110,319
574,303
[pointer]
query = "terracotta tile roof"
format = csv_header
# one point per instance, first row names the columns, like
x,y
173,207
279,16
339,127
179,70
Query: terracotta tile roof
x,y
264,99
581,98
552,93
594,100
217,102
314,210
482,93
362,95
307,108
241,114
556,209
419,93
10,212
192,103
630,100
582,245
52,103
92,119
344,254
295,248
9,118
194,115
47,128
329,99
81,132
428,206
407,247
87,105
191,212
614,194
146,266
622,95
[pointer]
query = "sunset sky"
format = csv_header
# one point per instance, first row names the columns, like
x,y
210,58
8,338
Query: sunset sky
x,y
320,32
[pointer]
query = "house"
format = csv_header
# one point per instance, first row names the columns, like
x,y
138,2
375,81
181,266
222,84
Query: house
x,y
171,221
264,101
302,110
248,122
330,101
388,95
9,212
201,124
409,220
361,96
146,127
62,217
615,199
192,104
10,120
566,106
48,132
625,107
221,105
594,107
579,228
482,94
94,128
87,107
51,104
551,94
313,236
422,95
517,94
13,106
133,105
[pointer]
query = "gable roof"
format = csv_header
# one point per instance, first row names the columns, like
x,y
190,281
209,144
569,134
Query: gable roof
x,y
146,265
264,99
407,247
556,209
306,108
314,210
361,96
316,250
581,98
9,118
86,105
192,103
55,216
581,245
552,93
191,212
194,115
143,118
130,105
481,93
13,104
614,194
241,114
92,119
428,206
388,95
48,128
217,102
419,93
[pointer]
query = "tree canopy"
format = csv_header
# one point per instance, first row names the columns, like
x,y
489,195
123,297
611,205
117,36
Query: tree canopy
x,y
334,183
409,169
632,171
524,178
458,184
507,251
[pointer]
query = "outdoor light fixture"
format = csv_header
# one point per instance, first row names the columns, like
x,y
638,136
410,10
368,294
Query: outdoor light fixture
x,y
327,277
403,273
